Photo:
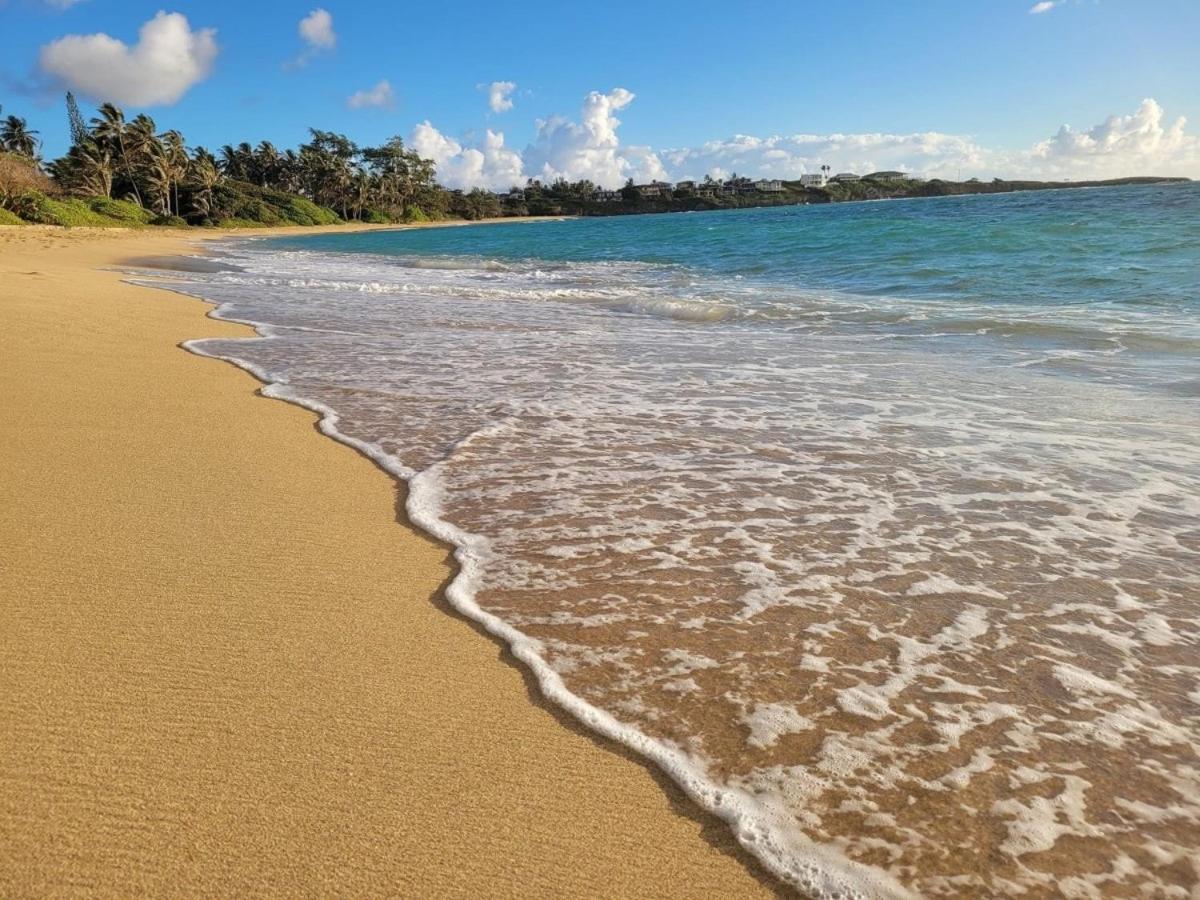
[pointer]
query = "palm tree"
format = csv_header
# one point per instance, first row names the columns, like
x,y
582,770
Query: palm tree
x,y
266,164
16,137
156,170
176,160
205,176
110,127
95,167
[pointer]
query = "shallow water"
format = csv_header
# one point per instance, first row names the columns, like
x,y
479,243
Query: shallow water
x,y
877,525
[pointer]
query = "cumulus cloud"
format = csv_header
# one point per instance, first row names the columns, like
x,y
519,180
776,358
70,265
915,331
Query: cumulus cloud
x,y
380,96
168,58
500,95
789,157
590,148
587,149
1141,143
490,165
316,30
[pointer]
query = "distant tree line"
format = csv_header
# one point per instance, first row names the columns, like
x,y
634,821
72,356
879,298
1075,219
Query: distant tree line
x,y
130,170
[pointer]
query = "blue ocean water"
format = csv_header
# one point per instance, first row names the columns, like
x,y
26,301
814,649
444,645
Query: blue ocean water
x,y
876,525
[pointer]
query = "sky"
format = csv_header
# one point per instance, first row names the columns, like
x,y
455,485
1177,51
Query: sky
x,y
496,93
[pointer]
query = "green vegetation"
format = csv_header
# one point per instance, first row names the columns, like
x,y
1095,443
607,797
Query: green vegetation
x,y
128,173
898,188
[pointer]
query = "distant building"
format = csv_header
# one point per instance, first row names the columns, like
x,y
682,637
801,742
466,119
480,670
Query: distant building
x,y
814,180
846,178
769,186
687,186
654,188
892,176
603,196
516,195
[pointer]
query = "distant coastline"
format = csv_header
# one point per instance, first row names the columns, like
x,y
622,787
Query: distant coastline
x,y
128,174
661,197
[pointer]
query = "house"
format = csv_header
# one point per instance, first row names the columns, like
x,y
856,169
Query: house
x,y
654,189
708,189
886,176
846,178
515,195
813,180
603,196
685,186
769,186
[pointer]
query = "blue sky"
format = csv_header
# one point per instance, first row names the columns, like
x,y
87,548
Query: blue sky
x,y
996,77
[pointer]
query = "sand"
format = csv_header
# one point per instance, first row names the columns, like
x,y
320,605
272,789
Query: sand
x,y
225,666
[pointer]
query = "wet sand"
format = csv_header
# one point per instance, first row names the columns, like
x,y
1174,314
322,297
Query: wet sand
x,y
225,667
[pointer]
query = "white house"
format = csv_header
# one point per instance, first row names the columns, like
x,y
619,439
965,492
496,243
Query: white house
x,y
814,180
769,186
846,177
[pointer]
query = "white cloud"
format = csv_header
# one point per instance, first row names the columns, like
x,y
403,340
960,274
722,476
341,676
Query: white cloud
x,y
62,4
1142,143
1043,7
167,60
562,149
590,148
317,30
500,95
791,156
381,96
490,165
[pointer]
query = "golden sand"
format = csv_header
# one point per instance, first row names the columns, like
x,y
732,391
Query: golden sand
x,y
224,665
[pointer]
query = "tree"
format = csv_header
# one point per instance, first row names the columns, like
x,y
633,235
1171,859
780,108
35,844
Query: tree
x,y
15,137
110,128
79,129
175,160
203,177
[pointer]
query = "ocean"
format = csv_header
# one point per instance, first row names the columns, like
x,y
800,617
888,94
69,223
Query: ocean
x,y
876,525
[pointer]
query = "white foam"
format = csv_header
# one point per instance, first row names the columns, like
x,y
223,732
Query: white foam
x,y
758,523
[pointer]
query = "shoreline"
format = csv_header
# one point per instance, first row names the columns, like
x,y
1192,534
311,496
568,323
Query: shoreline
x,y
104,826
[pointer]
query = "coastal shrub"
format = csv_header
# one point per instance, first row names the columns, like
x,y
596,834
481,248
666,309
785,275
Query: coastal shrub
x,y
374,217
18,176
9,218
415,214
169,221
122,211
36,207
303,211
257,205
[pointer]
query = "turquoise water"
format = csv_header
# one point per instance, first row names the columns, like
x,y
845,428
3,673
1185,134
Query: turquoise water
x,y
1131,245
877,526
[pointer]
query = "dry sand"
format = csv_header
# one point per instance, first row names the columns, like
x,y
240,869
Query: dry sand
x,y
224,665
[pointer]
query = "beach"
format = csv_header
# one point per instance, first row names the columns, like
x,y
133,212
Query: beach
x,y
225,664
